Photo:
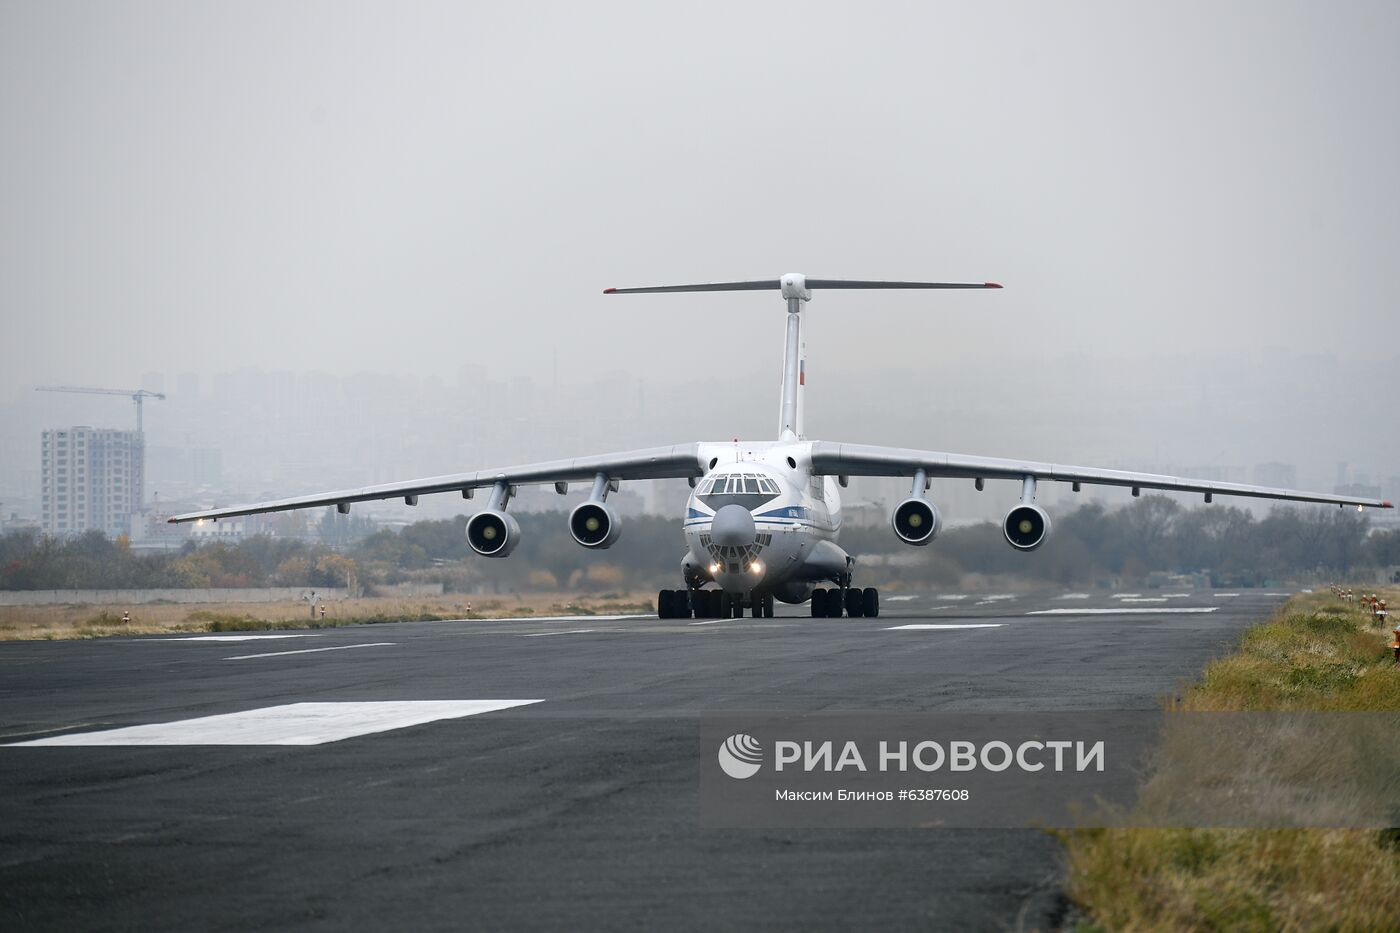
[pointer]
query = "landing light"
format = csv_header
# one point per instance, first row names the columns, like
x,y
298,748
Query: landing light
x,y
714,568
1360,509
756,567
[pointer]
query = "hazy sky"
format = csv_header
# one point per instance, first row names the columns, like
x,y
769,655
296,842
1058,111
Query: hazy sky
x,y
402,186
407,188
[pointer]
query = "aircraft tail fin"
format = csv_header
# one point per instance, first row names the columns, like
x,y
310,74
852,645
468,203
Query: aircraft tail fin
x,y
795,288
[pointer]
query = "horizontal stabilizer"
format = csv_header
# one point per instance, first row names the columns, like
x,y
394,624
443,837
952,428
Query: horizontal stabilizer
x,y
776,284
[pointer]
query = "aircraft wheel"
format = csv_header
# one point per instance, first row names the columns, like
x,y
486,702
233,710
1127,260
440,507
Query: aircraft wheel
x,y
717,610
819,604
683,604
768,606
855,604
756,606
737,602
663,604
871,598
833,604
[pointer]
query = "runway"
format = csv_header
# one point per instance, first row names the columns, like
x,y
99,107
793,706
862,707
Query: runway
x,y
553,780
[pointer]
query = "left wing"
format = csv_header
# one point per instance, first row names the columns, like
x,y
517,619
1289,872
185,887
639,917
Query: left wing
x,y
863,460
682,460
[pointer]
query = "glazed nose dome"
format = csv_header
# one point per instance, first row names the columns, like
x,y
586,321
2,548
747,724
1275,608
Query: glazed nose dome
x,y
733,526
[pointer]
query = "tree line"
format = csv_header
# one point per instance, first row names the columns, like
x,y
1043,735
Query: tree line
x,y
1091,545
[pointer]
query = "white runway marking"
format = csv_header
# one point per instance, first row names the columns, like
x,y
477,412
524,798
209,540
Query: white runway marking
x,y
560,619
293,724
936,608
572,631
710,622
1126,595
1073,596
1144,599
1175,595
278,654
240,637
923,626
1275,594
955,596
903,599
1226,595
1121,612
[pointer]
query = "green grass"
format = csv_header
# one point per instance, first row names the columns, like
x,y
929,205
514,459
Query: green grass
x,y
1315,654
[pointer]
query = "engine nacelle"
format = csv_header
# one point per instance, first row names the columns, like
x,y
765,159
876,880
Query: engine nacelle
x,y
916,521
493,534
594,525
1026,527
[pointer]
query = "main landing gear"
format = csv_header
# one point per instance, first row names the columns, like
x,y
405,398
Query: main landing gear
x,y
711,604
855,602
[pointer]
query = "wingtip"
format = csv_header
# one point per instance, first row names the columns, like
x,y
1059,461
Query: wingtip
x,y
609,291
991,285
1387,505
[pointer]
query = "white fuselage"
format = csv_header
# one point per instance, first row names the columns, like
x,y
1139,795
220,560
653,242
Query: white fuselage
x,y
796,520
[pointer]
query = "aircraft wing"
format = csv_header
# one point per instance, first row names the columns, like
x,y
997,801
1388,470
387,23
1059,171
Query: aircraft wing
x,y
675,462
863,460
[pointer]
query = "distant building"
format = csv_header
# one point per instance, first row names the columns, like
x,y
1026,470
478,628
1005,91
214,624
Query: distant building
x,y
1277,475
91,478
1358,491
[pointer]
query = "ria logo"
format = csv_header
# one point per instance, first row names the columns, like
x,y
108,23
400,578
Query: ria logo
x,y
741,756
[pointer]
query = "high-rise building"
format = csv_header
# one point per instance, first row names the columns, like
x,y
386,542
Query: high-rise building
x,y
1277,475
91,479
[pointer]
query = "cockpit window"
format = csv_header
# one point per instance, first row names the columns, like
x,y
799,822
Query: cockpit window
x,y
751,490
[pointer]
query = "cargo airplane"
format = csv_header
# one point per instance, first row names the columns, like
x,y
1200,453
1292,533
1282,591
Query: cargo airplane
x,y
763,520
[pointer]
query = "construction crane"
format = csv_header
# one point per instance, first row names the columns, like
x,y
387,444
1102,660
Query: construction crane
x,y
136,395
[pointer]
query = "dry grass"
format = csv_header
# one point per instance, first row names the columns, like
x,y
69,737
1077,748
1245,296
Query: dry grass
x,y
1316,653
95,621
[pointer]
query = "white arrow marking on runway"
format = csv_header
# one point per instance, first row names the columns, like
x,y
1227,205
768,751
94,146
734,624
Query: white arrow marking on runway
x,y
278,654
928,626
1120,612
293,724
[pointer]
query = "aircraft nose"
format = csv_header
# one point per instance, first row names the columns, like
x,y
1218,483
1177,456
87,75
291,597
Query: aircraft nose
x,y
733,526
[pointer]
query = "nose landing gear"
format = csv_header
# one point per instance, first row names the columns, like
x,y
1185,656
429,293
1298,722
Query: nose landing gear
x,y
711,604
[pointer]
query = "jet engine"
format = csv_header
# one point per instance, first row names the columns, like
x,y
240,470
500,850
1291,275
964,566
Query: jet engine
x,y
493,534
1026,527
916,521
594,525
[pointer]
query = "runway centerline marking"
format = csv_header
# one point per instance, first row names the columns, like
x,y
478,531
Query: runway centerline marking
x,y
926,626
573,631
1144,599
1125,611
278,654
292,724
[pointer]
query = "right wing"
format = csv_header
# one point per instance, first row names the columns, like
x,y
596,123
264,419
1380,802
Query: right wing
x,y
680,461
865,460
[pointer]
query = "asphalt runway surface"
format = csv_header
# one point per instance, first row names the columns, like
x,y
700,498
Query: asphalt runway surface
x,y
579,810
